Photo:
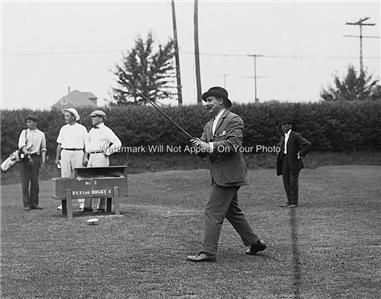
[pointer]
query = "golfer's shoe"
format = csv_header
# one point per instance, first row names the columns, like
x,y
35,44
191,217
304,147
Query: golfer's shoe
x,y
59,207
36,208
285,205
260,245
293,205
202,257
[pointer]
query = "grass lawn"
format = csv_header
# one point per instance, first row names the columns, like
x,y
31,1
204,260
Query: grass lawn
x,y
327,248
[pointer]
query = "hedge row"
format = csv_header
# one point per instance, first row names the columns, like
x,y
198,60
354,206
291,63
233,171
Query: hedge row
x,y
329,126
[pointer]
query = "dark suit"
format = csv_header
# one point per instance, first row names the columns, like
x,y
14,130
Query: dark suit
x,y
289,165
228,172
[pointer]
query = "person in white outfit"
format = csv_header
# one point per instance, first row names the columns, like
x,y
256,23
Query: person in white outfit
x,y
101,143
71,146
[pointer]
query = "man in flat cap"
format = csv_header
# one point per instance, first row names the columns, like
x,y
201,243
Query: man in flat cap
x,y
289,160
101,143
71,145
32,145
221,141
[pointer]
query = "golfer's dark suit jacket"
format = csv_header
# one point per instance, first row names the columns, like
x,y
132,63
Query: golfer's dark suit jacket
x,y
227,166
295,144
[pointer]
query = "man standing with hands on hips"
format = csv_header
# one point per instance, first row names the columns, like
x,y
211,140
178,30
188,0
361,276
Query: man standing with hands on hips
x,y
289,161
221,141
71,146
101,143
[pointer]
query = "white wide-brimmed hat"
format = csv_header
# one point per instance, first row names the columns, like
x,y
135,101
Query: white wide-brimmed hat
x,y
72,111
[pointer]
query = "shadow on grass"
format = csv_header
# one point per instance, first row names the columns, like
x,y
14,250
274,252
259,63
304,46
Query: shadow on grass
x,y
297,272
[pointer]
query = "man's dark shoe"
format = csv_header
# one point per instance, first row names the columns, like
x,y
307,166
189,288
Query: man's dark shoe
x,y
285,205
101,210
36,208
258,246
87,209
202,257
293,205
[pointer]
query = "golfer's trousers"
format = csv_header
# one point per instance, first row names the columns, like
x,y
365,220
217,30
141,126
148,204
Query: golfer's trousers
x,y
223,203
29,172
69,161
290,182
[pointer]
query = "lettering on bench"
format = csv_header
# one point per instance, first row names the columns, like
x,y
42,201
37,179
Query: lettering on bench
x,y
80,192
91,192
88,183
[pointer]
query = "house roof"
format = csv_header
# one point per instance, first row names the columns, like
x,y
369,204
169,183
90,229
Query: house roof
x,y
89,95
76,98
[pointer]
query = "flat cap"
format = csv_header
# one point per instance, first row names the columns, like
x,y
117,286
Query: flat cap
x,y
98,113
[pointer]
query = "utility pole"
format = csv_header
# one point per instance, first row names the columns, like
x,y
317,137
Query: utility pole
x,y
225,75
361,23
255,75
197,53
177,59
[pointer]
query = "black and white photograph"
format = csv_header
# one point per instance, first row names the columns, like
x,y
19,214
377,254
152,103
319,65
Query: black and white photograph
x,y
190,149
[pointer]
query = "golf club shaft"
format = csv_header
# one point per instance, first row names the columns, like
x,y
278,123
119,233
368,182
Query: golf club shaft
x,y
163,113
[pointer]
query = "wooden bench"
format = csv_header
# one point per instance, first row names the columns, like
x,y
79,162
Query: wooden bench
x,y
92,182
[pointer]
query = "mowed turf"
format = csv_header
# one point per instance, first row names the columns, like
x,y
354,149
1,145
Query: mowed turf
x,y
327,248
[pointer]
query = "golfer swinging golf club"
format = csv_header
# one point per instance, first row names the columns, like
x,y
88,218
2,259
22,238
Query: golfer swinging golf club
x,y
220,140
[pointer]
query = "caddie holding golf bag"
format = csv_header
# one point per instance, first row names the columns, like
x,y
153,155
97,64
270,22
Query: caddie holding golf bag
x,y
32,146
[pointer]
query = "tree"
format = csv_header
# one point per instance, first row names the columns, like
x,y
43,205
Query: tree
x,y
150,73
353,87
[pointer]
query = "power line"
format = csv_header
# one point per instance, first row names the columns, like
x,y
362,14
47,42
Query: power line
x,y
184,53
177,59
255,74
61,53
225,75
197,53
361,23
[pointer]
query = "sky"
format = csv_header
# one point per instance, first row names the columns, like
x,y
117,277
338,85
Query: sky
x,y
47,47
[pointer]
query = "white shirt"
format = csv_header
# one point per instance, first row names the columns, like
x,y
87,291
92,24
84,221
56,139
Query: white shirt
x,y
286,136
35,141
214,127
72,136
100,138
216,119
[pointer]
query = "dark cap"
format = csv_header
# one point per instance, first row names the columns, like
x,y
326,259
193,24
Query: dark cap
x,y
220,92
32,118
287,120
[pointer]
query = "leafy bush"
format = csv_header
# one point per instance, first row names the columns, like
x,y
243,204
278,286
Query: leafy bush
x,y
342,126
